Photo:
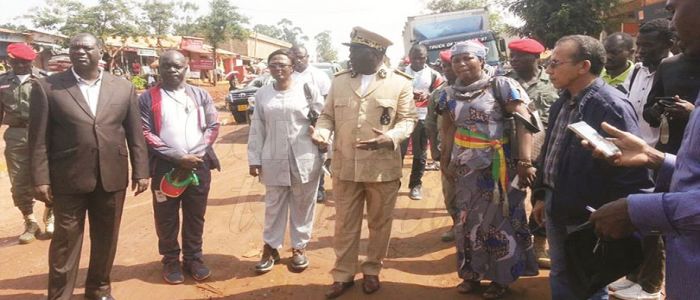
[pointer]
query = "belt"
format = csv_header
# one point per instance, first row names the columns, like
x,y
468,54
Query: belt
x,y
18,126
466,138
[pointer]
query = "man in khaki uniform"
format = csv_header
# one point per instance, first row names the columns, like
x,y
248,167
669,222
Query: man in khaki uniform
x,y
371,110
15,87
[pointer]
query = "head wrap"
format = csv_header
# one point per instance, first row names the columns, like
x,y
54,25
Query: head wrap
x,y
472,47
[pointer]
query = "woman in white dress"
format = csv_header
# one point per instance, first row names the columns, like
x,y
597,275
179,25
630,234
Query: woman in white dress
x,y
280,151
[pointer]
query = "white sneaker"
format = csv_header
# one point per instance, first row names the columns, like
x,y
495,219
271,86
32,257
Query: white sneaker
x,y
635,292
621,284
49,222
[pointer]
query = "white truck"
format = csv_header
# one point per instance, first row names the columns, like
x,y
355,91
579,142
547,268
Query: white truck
x,y
442,30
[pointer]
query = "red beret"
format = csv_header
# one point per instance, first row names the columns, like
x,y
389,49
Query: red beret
x,y
21,51
526,45
446,55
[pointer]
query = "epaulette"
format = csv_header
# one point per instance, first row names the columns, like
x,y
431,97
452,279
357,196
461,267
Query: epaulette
x,y
397,71
342,72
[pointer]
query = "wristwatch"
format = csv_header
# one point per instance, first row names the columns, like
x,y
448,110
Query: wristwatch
x,y
525,163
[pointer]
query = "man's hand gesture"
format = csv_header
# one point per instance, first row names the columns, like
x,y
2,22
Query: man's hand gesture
x,y
381,141
634,152
322,145
189,161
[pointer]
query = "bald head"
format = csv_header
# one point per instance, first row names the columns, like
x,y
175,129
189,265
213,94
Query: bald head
x,y
619,49
85,53
171,54
172,67
85,37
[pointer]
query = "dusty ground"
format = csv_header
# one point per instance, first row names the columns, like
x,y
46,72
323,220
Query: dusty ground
x,y
419,265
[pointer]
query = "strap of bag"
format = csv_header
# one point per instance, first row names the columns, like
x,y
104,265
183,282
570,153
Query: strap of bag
x,y
634,75
307,93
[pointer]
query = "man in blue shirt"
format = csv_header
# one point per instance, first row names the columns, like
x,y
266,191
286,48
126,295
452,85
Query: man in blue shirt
x,y
569,178
675,214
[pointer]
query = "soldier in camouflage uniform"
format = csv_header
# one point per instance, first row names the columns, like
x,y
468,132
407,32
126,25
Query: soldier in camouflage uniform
x,y
525,54
432,124
15,87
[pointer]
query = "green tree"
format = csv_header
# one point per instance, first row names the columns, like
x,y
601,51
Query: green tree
x,y
441,6
54,15
186,24
495,19
108,18
549,20
292,34
222,23
15,27
269,30
324,47
158,16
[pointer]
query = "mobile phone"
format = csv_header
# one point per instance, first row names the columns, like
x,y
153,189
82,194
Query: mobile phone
x,y
589,134
673,99
666,101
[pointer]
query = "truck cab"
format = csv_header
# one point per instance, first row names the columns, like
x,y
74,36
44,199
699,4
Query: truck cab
x,y
488,38
440,31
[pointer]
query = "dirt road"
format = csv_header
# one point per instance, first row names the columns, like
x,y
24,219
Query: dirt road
x,y
419,265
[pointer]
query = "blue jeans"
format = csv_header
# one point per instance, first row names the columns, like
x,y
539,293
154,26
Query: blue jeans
x,y
558,274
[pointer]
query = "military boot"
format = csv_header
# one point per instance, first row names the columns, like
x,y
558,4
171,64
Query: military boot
x,y
540,249
31,228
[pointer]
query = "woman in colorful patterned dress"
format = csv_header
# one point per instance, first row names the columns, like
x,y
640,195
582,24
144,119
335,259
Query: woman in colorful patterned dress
x,y
493,239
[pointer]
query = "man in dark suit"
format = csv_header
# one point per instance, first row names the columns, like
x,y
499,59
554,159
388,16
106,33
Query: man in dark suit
x,y
81,122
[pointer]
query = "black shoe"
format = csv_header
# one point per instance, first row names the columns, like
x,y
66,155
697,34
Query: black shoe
x,y
172,272
448,236
338,288
495,291
269,257
299,260
197,269
321,196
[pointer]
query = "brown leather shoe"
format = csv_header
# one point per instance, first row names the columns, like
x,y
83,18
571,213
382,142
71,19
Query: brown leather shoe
x,y
370,283
338,288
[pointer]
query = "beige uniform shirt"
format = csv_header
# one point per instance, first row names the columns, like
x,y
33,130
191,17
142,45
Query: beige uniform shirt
x,y
352,115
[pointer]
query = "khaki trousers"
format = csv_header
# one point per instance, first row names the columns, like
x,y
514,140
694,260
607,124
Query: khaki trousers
x,y
350,198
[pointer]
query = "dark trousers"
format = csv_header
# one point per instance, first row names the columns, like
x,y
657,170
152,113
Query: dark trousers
x,y
434,138
167,215
419,138
104,210
650,275
320,184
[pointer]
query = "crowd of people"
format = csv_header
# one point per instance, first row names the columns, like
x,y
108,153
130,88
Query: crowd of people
x,y
605,223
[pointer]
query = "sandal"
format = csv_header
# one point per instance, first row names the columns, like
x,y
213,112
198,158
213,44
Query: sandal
x,y
495,291
467,286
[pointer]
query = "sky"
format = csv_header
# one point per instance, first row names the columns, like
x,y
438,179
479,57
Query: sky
x,y
385,17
